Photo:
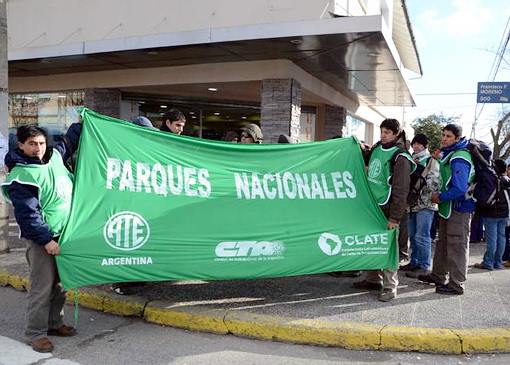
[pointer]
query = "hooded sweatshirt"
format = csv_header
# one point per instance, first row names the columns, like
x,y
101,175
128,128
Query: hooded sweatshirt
x,y
25,198
459,182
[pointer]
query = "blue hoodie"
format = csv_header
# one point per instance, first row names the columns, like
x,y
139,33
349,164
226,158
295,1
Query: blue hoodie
x,y
459,183
25,198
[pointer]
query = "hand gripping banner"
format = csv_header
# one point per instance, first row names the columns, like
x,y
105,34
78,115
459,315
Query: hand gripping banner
x,y
153,206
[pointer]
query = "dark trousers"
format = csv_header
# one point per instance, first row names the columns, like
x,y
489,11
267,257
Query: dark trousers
x,y
452,250
46,296
403,238
506,254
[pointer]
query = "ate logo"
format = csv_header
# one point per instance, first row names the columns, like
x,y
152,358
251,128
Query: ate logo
x,y
375,168
126,231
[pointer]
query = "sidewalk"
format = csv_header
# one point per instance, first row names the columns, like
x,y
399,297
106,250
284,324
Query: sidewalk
x,y
318,309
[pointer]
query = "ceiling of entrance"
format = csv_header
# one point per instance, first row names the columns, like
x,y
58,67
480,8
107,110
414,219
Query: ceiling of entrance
x,y
357,64
246,91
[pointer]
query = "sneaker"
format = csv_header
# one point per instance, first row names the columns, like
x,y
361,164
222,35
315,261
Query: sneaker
x,y
62,331
417,272
408,267
448,290
387,295
482,266
366,285
430,279
123,288
42,344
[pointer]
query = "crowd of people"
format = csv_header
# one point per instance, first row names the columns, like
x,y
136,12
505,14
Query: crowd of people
x,y
412,190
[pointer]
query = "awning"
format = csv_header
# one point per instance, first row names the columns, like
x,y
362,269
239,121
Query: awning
x,y
354,55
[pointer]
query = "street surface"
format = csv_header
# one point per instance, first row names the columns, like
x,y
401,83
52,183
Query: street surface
x,y
110,339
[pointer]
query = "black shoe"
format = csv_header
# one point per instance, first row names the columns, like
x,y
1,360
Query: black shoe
x,y
366,285
429,279
408,267
416,272
345,274
448,290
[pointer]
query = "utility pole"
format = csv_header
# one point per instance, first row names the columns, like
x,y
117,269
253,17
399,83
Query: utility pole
x,y
4,131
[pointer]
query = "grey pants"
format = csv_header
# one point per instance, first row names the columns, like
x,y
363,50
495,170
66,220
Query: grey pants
x,y
452,250
46,296
388,278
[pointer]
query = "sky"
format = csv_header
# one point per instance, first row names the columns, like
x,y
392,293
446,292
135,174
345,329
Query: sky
x,y
457,41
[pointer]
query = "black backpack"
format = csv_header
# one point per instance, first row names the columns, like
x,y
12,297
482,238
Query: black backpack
x,y
485,186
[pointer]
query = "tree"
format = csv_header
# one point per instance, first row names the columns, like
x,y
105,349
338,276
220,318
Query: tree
x,y
432,127
501,137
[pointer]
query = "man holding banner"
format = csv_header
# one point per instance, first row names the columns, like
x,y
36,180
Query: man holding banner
x,y
40,188
389,170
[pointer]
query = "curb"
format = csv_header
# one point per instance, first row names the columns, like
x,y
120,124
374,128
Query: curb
x,y
349,335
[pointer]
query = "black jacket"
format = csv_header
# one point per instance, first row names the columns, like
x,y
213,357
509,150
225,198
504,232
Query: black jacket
x,y
500,208
25,198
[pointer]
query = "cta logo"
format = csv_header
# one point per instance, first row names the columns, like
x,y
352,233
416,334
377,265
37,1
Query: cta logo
x,y
330,244
126,231
249,249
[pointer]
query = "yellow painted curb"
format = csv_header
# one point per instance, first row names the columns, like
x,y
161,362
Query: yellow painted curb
x,y
18,282
396,338
4,278
484,340
195,320
349,335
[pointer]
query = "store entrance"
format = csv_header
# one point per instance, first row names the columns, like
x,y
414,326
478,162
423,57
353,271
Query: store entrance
x,y
208,120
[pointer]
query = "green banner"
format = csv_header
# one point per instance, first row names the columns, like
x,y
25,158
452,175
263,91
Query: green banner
x,y
152,206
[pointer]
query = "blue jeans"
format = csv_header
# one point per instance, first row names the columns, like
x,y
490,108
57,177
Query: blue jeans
x,y
495,235
419,235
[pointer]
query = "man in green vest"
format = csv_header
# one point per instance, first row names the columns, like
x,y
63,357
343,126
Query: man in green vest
x,y
449,267
40,188
389,170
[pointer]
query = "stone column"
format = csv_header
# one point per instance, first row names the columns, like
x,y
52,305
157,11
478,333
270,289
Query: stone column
x,y
4,131
104,101
280,101
334,121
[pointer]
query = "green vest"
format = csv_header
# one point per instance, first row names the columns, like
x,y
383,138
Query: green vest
x,y
445,174
379,172
424,160
55,185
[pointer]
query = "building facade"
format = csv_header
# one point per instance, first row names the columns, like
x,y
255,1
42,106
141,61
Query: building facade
x,y
310,69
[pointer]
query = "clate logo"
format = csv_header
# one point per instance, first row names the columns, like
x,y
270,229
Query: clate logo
x,y
375,168
126,231
330,244
249,248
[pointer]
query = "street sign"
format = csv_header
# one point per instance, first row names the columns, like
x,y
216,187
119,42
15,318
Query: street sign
x,y
493,92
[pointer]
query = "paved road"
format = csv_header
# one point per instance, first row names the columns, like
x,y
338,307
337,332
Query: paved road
x,y
109,339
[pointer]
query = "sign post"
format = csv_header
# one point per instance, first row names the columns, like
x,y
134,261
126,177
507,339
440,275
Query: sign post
x,y
493,92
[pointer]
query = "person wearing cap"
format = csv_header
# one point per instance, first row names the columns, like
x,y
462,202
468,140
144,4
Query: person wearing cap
x,y
251,133
283,138
173,122
421,211
143,122
127,288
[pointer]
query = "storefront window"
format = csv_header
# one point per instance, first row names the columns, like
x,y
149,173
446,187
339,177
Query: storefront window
x,y
354,127
54,112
